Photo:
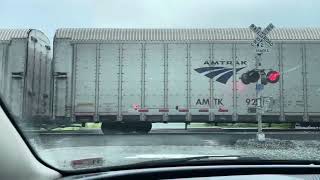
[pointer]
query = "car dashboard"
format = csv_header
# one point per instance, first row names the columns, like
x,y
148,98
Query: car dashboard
x,y
232,172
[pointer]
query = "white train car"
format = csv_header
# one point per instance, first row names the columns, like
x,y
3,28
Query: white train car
x,y
129,78
25,73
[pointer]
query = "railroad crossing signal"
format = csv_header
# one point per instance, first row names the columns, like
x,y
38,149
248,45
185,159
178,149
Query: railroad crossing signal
x,y
273,77
261,38
250,77
255,75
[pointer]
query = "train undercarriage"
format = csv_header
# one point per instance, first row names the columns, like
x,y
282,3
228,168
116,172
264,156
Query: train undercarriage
x,y
132,124
142,127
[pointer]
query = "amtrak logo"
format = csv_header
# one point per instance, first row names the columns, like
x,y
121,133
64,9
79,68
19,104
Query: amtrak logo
x,y
223,74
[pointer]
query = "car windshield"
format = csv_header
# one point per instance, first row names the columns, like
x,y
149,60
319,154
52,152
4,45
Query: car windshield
x,y
113,83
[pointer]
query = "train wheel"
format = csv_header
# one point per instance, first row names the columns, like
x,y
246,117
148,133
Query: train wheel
x,y
110,127
117,127
105,127
126,127
304,124
143,127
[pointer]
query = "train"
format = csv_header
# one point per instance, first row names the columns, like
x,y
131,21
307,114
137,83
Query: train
x,y
130,78
25,74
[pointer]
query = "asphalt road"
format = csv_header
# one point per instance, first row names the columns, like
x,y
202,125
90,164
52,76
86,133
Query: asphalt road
x,y
161,137
118,149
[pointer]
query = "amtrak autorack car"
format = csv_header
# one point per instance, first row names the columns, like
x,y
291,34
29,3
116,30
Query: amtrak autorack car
x,y
25,74
129,78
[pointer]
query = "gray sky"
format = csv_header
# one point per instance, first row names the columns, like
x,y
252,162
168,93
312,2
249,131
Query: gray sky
x,y
50,15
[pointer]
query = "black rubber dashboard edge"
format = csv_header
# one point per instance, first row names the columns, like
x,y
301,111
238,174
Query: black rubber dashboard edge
x,y
201,171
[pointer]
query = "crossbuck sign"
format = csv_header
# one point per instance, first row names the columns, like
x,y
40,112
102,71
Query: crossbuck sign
x,y
261,38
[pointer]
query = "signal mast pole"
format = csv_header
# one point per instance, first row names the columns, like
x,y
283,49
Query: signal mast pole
x,y
259,88
258,43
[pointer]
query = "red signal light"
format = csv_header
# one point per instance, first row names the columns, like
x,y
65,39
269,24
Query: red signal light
x,y
273,76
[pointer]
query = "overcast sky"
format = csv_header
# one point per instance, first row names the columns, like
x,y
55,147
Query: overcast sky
x,y
50,15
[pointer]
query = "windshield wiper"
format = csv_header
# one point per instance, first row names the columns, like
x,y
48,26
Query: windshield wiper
x,y
204,160
196,160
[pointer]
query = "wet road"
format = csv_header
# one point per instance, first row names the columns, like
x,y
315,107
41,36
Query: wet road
x,y
157,138
62,149
161,137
